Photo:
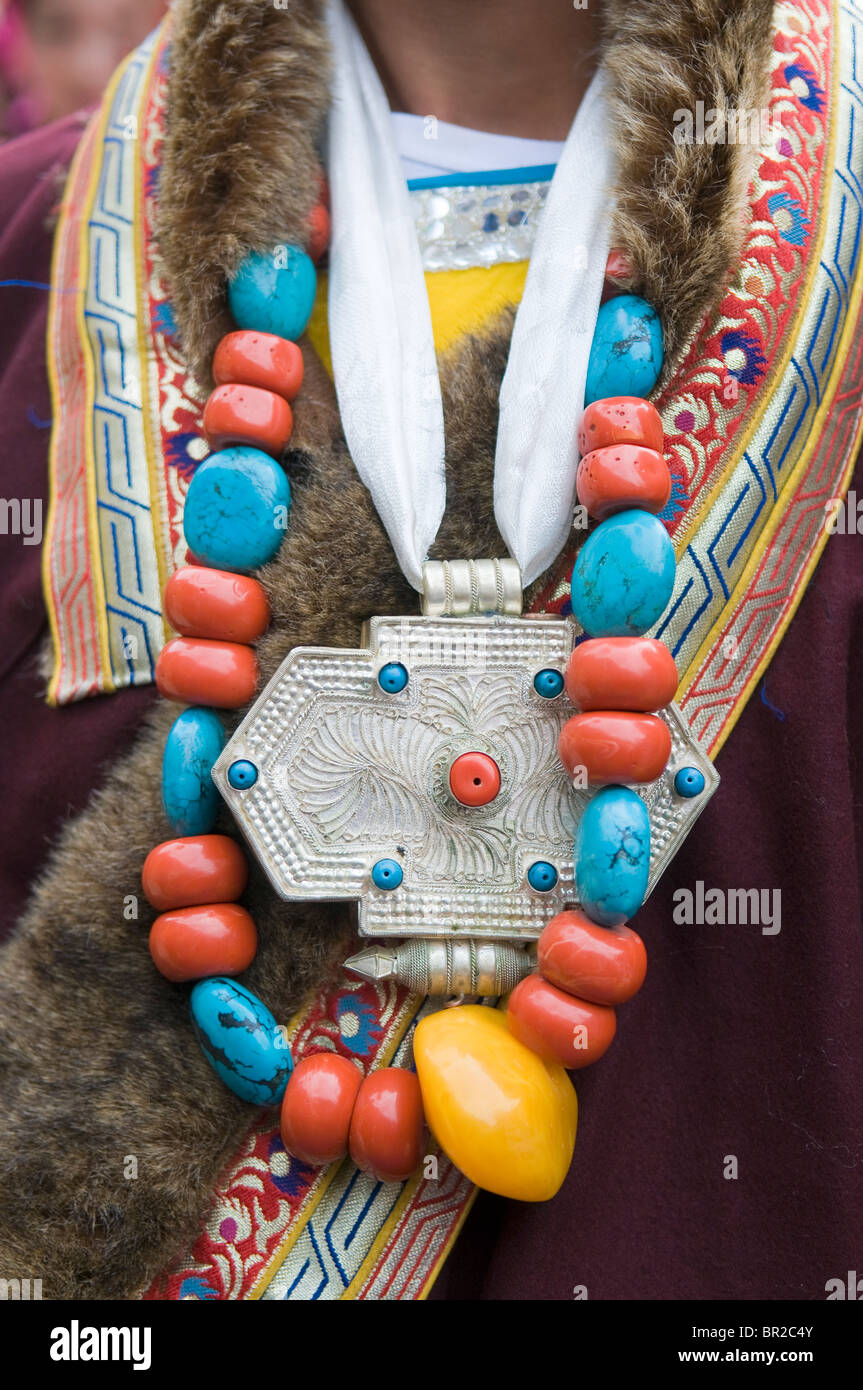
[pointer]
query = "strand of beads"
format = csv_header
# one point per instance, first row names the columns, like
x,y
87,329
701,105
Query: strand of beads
x,y
235,516
330,1110
494,1086
590,960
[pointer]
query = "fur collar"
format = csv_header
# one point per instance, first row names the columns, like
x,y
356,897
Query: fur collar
x,y
247,105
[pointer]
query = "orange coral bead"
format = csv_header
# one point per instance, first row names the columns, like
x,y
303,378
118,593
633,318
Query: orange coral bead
x,y
605,965
216,603
615,746
474,779
319,231
621,476
226,607
317,1108
259,359
620,420
624,673
558,1027
193,870
198,671
237,414
193,942
387,1124
618,266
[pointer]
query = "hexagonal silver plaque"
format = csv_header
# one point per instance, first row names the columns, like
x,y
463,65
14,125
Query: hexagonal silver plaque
x,y
349,775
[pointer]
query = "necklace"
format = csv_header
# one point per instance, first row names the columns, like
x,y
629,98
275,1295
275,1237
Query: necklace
x,y
419,774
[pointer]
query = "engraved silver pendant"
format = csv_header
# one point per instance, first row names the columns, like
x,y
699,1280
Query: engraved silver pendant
x,y
349,796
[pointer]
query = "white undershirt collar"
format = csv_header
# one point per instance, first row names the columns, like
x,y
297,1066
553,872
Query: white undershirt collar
x,y
429,148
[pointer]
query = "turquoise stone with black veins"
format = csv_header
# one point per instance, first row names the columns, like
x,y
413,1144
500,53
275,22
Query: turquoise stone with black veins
x,y
626,352
241,1040
236,509
274,291
612,856
624,576
189,794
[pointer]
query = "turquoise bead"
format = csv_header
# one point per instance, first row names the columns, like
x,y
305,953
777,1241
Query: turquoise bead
x,y
626,352
271,297
612,856
548,683
542,876
387,874
242,774
623,576
241,1040
689,781
235,508
189,794
393,677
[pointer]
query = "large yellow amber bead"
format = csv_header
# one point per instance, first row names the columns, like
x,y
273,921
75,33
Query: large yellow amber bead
x,y
503,1116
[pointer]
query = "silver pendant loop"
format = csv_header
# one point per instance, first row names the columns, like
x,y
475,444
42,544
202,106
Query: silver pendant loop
x,y
471,588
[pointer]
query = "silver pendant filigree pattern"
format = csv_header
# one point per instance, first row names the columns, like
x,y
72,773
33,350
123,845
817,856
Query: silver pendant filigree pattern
x,y
349,775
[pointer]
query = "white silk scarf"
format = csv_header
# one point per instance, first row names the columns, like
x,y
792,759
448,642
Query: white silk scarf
x,y
381,332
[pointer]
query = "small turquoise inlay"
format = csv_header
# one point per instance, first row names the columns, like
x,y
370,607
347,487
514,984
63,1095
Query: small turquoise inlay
x,y
689,781
542,876
242,774
393,677
548,683
387,874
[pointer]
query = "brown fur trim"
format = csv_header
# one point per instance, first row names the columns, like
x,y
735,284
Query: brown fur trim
x,y
247,100
681,208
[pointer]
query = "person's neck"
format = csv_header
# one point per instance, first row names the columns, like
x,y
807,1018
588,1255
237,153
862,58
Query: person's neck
x,y
510,67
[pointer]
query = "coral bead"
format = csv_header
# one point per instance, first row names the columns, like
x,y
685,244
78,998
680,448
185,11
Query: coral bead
x,y
558,1027
620,476
195,869
319,231
620,420
605,965
194,942
387,1124
317,1108
226,607
198,671
259,359
626,673
618,265
249,415
474,779
504,1116
614,746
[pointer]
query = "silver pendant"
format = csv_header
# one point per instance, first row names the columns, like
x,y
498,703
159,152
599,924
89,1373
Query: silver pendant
x,y
351,776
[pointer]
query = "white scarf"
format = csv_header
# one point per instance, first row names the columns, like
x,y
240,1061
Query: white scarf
x,y
381,333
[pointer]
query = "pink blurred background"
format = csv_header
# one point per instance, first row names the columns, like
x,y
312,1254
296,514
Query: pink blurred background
x,y
56,56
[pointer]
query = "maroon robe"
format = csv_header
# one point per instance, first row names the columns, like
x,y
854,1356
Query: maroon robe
x,y
741,1046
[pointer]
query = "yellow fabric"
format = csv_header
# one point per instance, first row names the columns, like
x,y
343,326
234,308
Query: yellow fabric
x,y
461,302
